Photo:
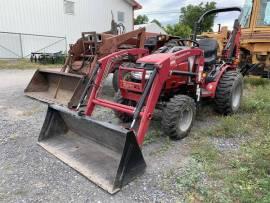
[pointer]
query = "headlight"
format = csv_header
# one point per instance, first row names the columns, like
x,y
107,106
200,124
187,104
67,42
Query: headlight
x,y
138,75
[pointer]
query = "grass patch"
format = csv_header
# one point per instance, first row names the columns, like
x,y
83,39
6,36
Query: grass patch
x,y
250,179
155,135
183,182
255,111
152,136
166,145
240,177
233,176
190,182
21,192
229,126
25,64
13,136
256,81
258,100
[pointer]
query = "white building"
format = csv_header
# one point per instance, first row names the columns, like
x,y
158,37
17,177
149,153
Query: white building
x,y
151,29
62,18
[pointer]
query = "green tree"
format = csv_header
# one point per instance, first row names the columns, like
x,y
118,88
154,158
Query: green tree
x,y
179,30
157,22
141,19
190,14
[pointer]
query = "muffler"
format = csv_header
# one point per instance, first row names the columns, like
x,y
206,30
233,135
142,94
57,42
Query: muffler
x,y
54,87
106,154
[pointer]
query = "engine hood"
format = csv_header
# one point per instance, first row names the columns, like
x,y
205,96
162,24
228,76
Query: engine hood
x,y
155,58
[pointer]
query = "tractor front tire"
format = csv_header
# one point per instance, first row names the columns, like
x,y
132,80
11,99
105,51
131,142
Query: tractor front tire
x,y
124,117
178,117
229,93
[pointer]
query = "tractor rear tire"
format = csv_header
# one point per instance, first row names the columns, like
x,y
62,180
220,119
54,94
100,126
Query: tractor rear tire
x,y
178,117
229,93
124,117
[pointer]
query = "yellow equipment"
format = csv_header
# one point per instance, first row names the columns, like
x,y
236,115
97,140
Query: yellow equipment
x,y
255,40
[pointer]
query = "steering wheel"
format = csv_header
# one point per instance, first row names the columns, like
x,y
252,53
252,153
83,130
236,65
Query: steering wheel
x,y
195,43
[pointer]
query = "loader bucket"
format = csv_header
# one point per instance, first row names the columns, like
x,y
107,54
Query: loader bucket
x,y
54,87
106,154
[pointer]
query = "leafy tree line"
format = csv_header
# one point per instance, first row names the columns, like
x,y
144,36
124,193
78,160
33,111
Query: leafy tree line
x,y
188,16
143,19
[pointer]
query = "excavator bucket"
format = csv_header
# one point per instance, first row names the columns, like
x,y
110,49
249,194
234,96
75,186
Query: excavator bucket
x,y
106,154
54,87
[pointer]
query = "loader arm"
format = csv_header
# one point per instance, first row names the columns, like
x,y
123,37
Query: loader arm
x,y
151,91
110,44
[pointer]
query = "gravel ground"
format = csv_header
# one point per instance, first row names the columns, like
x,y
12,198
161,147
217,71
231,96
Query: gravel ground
x,y
30,174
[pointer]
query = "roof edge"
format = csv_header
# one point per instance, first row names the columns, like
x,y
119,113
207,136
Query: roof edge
x,y
134,4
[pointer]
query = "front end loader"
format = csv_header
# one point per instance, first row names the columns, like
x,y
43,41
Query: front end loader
x,y
66,86
174,78
106,154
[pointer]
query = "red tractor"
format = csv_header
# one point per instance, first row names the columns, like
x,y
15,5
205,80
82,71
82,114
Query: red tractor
x,y
179,75
174,78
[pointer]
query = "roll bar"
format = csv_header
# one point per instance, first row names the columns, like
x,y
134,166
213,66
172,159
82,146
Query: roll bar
x,y
197,26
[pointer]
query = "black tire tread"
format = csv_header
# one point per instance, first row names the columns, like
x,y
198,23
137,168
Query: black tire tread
x,y
115,80
224,91
115,75
125,118
171,114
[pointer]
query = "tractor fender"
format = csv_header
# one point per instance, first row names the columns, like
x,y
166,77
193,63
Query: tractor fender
x,y
212,86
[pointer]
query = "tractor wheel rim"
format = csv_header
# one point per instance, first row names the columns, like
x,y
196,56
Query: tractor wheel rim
x,y
186,120
236,97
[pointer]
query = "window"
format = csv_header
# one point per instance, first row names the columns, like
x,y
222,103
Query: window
x,y
121,16
245,16
69,7
264,13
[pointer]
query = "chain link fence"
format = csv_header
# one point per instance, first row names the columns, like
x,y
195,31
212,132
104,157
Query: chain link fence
x,y
21,45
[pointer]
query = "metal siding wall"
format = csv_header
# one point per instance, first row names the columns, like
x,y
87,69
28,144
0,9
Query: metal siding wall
x,y
32,16
92,15
43,17
10,46
46,17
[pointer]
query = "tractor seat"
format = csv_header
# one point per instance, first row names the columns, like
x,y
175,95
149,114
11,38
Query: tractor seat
x,y
210,47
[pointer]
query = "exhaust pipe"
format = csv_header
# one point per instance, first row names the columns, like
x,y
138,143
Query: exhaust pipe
x,y
106,154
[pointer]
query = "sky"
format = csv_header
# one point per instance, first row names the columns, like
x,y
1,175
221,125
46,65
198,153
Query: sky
x,y
150,6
